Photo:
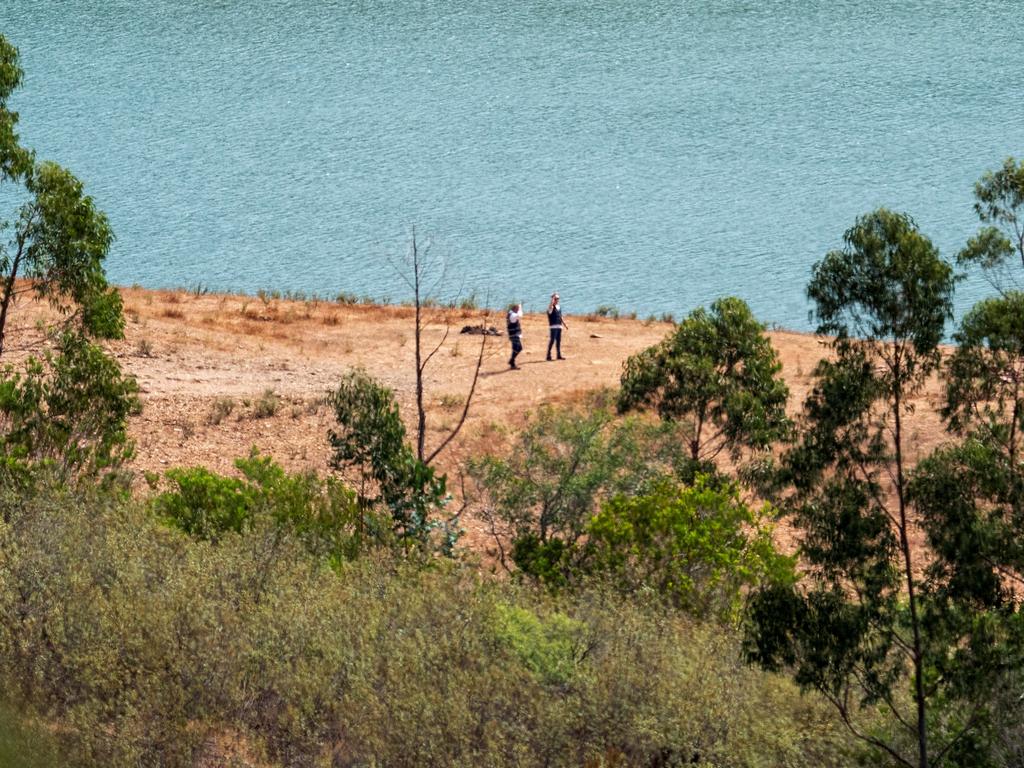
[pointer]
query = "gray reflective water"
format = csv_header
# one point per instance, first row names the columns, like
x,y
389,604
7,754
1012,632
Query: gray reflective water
x,y
646,154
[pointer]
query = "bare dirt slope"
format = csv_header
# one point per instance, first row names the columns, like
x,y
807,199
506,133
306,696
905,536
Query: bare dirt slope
x,y
220,374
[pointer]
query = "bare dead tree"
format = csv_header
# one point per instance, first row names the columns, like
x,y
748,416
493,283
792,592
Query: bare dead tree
x,y
425,271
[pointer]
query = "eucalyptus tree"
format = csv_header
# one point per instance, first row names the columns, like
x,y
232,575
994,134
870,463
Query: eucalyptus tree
x,y
15,160
970,496
855,628
55,245
999,203
985,375
68,407
718,374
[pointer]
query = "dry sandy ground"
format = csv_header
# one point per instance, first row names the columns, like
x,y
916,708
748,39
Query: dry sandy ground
x,y
188,352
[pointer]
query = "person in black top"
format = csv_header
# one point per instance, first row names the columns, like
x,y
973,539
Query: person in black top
x,y
555,326
515,333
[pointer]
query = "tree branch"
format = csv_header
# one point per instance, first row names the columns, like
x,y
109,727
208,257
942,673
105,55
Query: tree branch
x,y
469,397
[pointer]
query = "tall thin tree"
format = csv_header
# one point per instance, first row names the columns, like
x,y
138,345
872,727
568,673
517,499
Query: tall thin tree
x,y
856,627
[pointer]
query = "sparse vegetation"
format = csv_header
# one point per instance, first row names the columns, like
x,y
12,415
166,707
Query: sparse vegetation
x,y
266,405
606,310
451,402
220,410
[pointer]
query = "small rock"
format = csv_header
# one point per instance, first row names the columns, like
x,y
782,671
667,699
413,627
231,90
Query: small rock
x,y
596,336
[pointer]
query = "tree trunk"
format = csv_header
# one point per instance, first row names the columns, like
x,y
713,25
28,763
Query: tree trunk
x,y
919,694
421,413
1013,422
5,303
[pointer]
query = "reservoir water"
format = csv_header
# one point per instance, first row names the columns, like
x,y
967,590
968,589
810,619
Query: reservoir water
x,y
646,154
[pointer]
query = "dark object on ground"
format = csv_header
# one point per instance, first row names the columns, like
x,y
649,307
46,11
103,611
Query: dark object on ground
x,y
596,336
480,330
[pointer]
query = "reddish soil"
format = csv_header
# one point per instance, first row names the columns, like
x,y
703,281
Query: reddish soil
x,y
193,355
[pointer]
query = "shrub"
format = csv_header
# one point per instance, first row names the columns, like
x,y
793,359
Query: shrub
x,y
24,743
550,647
205,505
564,465
700,547
322,514
371,439
68,409
141,646
221,409
267,405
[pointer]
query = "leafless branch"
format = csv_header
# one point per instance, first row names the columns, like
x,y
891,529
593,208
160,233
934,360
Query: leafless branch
x,y
469,397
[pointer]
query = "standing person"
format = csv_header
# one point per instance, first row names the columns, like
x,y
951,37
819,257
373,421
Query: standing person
x,y
555,325
515,333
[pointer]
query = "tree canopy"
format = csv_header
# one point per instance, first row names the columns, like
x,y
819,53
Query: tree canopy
x,y
999,203
717,373
58,239
862,622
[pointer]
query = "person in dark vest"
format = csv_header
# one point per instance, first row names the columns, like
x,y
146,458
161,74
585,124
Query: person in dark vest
x,y
555,326
515,333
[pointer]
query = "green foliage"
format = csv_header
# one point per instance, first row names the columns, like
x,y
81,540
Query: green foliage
x,y
68,409
23,743
59,238
15,160
371,439
551,646
141,646
60,242
888,283
322,514
205,505
564,464
865,627
985,374
700,547
718,373
970,498
1000,204
584,495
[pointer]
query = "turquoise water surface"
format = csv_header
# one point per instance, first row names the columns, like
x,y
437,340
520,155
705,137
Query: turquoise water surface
x,y
648,154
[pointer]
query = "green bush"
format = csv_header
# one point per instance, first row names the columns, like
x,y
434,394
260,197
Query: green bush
x,y
140,646
323,514
370,439
68,409
550,647
565,464
24,743
206,505
700,547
